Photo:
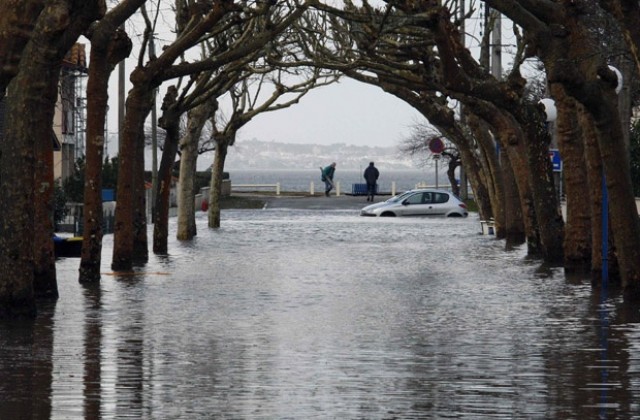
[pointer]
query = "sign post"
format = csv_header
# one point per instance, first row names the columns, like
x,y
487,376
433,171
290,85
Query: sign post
x,y
436,146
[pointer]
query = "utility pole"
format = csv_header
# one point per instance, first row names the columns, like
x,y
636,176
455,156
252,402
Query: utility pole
x,y
464,191
496,45
121,76
154,140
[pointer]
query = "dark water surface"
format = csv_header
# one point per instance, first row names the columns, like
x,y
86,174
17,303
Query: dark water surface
x,y
293,314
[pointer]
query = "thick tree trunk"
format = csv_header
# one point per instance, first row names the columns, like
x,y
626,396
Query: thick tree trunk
x,y
491,175
140,237
594,178
623,214
108,47
577,240
215,192
549,222
188,167
139,102
571,59
33,94
186,220
516,233
17,166
170,121
17,21
45,284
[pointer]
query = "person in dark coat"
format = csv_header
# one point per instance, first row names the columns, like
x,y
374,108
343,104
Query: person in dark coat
x,y
327,177
371,175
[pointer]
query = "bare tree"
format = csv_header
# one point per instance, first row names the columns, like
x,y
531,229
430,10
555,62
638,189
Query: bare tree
x,y
109,46
255,24
417,144
573,58
26,250
247,101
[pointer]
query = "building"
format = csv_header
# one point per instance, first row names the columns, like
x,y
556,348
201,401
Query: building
x,y
70,114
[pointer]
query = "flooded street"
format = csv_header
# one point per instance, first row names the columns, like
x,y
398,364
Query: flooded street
x,y
307,314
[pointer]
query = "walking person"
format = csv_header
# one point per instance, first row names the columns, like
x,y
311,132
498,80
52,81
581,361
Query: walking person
x,y
371,175
327,178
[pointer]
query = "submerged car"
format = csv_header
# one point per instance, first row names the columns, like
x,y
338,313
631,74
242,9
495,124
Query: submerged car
x,y
419,202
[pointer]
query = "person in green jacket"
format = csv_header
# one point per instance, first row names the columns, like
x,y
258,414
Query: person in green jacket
x,y
327,178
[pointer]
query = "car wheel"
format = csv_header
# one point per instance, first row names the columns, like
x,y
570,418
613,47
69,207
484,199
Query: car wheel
x,y
388,214
454,215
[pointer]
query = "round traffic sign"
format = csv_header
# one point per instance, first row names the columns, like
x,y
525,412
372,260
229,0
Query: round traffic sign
x,y
436,145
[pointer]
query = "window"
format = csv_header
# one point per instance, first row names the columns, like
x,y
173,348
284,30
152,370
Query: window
x,y
414,199
440,198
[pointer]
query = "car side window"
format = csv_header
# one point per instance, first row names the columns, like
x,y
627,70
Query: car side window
x,y
414,199
440,198
426,198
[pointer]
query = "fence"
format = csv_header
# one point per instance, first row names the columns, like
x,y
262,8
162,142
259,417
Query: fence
x,y
73,222
242,186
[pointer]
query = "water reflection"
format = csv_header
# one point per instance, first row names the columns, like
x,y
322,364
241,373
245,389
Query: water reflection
x,y
301,314
92,351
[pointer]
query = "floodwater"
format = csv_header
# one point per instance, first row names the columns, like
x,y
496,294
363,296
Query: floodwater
x,y
298,314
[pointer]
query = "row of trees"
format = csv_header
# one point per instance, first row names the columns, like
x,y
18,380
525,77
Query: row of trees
x,y
265,56
415,50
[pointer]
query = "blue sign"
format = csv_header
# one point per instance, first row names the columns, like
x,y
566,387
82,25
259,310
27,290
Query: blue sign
x,y
556,161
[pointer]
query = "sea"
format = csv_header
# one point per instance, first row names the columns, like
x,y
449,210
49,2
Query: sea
x,y
299,180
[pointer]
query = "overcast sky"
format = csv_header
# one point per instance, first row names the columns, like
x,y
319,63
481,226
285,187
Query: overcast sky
x,y
348,112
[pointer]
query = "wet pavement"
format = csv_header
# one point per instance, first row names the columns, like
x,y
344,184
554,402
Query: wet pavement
x,y
295,313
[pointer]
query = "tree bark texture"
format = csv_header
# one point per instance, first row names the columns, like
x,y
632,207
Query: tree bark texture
x,y
17,22
563,39
188,167
108,47
594,179
170,122
215,192
33,93
45,283
577,240
139,102
491,174
140,237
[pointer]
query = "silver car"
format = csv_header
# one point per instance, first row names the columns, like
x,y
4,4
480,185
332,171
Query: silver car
x,y
420,202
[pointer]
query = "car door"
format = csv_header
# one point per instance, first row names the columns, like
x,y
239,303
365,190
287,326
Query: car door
x,y
415,205
439,204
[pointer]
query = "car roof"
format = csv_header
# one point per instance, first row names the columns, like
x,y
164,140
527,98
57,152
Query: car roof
x,y
429,190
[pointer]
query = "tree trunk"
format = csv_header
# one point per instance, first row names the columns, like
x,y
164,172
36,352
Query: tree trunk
x,y
215,192
17,166
45,283
491,174
33,94
516,233
594,178
549,222
140,237
139,102
571,58
170,121
577,240
108,47
17,21
188,167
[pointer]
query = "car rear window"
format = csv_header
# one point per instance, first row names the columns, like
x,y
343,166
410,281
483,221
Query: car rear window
x,y
440,198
